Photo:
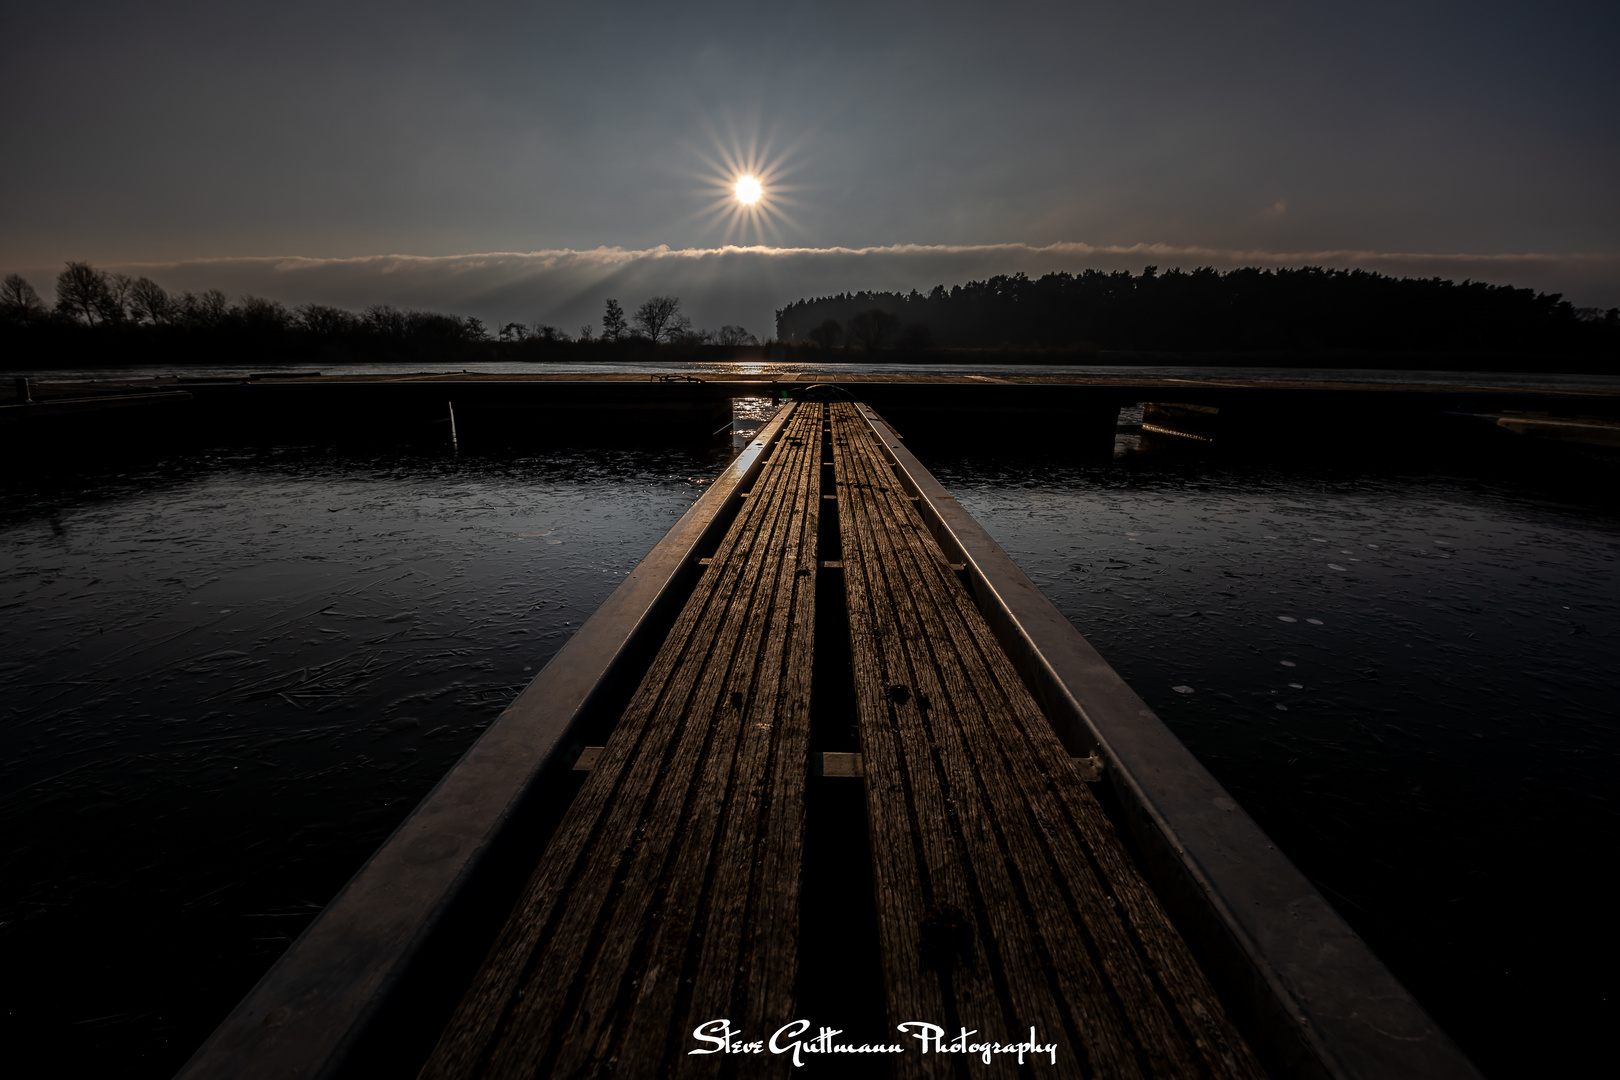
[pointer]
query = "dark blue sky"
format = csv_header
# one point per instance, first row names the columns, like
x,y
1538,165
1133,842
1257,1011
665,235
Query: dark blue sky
x,y
171,132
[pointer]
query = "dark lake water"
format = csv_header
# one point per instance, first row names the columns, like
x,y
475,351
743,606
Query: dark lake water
x,y
228,675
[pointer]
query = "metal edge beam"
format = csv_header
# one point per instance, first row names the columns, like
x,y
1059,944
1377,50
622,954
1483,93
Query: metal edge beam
x,y
310,1009
1317,1002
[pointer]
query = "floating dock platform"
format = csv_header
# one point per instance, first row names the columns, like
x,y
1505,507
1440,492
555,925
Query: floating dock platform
x,y
624,858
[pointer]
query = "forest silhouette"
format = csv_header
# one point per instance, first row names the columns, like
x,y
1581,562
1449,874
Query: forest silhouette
x,y
1249,310
104,318
1293,317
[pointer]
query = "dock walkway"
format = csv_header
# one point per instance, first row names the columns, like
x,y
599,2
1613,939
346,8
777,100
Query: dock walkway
x,y
669,896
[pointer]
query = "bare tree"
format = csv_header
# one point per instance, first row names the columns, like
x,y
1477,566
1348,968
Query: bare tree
x,y
263,316
148,302
386,320
116,302
613,324
19,301
660,319
205,310
514,331
324,321
586,331
81,292
827,334
870,329
735,335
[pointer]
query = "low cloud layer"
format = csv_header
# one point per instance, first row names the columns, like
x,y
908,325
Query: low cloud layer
x,y
747,284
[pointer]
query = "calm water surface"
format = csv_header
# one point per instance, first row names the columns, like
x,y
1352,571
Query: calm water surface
x,y
229,675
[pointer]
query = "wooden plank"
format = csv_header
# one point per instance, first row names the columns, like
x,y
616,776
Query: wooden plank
x,y
1005,898
840,764
671,887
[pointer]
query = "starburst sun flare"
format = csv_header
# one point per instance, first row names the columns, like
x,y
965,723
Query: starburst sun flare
x,y
746,179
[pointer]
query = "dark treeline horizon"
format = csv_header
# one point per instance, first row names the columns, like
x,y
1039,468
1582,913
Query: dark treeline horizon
x,y
1294,317
108,318
1248,310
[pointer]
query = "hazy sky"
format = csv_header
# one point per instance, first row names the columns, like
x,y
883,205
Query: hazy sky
x,y
173,132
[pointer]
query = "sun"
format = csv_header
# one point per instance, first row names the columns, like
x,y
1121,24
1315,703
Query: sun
x,y
749,183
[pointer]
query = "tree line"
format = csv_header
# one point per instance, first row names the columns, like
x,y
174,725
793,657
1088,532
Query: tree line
x,y
1207,310
100,317
104,317
659,321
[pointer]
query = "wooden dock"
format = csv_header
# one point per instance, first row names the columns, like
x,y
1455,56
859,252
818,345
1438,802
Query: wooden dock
x,y
669,895
513,927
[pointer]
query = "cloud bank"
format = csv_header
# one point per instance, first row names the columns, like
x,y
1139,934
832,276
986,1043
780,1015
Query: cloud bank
x,y
746,285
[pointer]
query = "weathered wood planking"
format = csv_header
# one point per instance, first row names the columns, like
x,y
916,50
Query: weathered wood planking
x,y
669,895
1005,899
